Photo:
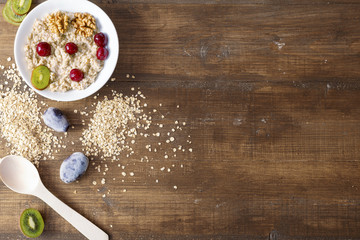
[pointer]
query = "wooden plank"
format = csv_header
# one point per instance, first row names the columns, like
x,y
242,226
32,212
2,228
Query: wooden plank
x,y
269,91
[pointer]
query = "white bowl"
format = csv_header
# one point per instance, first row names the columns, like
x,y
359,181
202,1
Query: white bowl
x,y
104,24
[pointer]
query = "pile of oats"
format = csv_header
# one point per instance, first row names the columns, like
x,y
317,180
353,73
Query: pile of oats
x,y
20,119
114,126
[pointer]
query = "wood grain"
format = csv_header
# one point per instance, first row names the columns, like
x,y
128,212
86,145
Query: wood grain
x,y
270,93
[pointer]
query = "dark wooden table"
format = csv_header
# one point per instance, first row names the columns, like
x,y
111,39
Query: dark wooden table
x,y
270,94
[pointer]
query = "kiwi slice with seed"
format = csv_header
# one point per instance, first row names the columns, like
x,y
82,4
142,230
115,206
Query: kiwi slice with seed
x,y
21,7
5,13
31,223
8,12
8,19
40,77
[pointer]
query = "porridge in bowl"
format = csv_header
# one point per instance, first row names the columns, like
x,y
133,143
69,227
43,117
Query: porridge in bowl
x,y
65,43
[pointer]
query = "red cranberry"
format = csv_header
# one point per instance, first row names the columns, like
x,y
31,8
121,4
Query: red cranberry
x,y
102,53
100,39
43,49
71,48
76,75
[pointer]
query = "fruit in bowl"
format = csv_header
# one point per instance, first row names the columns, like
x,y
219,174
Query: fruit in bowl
x,y
40,77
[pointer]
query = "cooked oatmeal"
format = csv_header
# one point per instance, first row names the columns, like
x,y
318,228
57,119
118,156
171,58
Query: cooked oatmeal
x,y
60,62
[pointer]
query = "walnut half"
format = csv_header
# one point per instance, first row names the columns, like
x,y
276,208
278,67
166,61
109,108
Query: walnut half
x,y
58,22
84,23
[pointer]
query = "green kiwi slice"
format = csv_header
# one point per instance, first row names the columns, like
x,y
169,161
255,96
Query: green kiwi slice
x,y
6,17
40,77
13,17
21,7
31,223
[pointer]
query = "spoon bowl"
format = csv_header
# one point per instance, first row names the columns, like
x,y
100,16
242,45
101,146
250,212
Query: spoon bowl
x,y
21,176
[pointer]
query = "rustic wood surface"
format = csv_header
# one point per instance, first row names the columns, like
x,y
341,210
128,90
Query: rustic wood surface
x,y
270,93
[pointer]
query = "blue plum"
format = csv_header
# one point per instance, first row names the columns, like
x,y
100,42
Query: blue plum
x,y
55,119
73,167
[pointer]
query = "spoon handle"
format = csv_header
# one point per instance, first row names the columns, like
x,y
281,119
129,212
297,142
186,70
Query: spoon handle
x,y
83,225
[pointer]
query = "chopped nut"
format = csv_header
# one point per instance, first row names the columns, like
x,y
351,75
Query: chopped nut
x,y
58,22
84,23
